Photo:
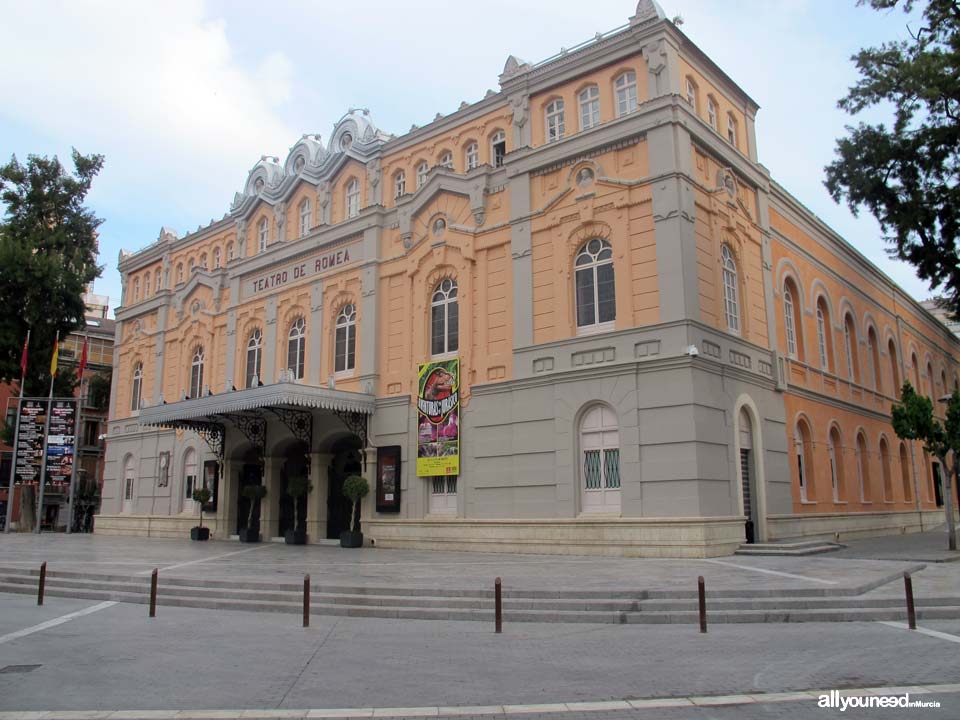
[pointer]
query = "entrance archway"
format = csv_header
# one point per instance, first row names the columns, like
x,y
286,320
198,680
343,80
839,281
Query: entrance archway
x,y
747,482
294,466
346,461
250,473
748,485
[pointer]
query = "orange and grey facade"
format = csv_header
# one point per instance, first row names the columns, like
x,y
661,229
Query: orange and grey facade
x,y
661,352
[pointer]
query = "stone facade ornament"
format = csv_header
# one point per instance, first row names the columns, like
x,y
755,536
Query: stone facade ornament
x,y
647,11
280,217
323,202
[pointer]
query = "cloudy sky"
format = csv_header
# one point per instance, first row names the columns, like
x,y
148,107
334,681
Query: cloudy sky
x,y
184,96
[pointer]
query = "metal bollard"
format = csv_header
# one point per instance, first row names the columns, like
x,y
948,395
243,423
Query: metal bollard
x,y
306,601
911,610
702,596
498,603
153,593
43,582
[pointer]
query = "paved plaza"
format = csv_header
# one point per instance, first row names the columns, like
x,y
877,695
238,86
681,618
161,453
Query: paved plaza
x,y
198,663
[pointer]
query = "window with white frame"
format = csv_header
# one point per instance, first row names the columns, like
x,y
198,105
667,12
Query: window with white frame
x,y
136,289
399,183
446,160
472,156
554,119
788,322
146,285
422,169
196,373
254,356
156,281
850,345
833,441
353,198
297,347
263,234
498,147
345,339
594,285
626,90
179,273
589,99
229,251
136,387
203,261
216,258
305,217
444,319
691,89
798,448
731,129
822,337
712,112
731,299
190,264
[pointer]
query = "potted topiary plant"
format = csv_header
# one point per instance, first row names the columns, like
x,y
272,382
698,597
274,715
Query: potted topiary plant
x,y
254,493
355,488
202,496
298,487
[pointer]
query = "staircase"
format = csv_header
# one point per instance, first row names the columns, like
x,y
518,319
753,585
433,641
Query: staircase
x,y
784,549
561,606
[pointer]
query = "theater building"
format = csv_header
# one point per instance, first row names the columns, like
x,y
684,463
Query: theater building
x,y
576,316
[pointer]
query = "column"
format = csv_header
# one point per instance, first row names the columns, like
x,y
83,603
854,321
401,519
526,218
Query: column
x,y
370,473
269,506
317,504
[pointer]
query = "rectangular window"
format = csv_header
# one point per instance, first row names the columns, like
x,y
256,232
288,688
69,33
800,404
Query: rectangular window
x,y
611,467
345,348
591,469
437,330
499,151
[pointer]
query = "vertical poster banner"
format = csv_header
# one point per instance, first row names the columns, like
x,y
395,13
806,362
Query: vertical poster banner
x,y
388,479
29,440
438,418
60,441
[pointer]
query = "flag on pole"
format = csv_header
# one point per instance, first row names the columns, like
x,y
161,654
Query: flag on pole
x,y
23,356
53,359
83,361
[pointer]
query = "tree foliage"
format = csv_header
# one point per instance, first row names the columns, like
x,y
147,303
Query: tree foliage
x,y
48,256
906,175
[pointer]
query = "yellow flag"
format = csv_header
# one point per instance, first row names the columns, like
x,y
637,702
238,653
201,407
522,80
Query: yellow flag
x,y
56,352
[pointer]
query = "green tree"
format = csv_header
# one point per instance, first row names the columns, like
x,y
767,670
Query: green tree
x,y
48,256
906,174
913,419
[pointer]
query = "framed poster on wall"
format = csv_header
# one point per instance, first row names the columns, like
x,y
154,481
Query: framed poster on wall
x,y
388,479
211,481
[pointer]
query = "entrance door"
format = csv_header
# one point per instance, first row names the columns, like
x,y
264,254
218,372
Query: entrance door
x,y
346,462
128,487
190,474
600,461
746,476
249,475
443,495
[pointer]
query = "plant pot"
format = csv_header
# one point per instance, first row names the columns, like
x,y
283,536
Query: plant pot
x,y
199,533
250,535
350,539
295,537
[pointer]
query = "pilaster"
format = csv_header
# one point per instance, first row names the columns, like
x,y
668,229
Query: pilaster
x,y
231,357
315,334
369,323
268,369
522,260
160,340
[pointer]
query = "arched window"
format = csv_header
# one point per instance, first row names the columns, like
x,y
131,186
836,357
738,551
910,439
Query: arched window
x,y
156,281
190,475
129,478
943,382
136,289
254,356
691,90
589,99
732,129
196,373
305,212
203,261
422,169
905,474
731,300
345,339
179,273
894,368
229,251
625,87
712,112
498,147
803,449
216,258
353,198
444,319
596,304
874,352
472,156
146,288
600,460
933,392
791,321
863,469
190,265
297,347
446,160
553,115
824,338
850,343
263,235
916,373
136,388
835,456
885,470
399,183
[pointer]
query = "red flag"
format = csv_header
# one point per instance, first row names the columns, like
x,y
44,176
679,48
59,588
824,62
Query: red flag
x,y
23,356
83,361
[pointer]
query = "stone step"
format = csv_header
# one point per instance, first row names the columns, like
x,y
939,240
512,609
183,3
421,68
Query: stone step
x,y
791,549
785,604
848,614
